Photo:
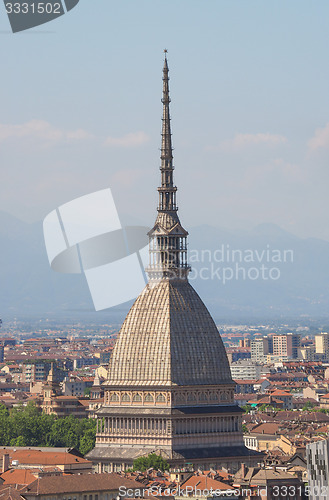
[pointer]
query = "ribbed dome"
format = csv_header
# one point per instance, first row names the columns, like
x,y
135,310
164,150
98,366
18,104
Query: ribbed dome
x,y
169,338
167,220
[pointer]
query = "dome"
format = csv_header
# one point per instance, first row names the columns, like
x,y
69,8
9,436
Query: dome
x,y
169,338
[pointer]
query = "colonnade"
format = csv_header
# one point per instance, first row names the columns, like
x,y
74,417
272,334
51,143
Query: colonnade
x,y
161,426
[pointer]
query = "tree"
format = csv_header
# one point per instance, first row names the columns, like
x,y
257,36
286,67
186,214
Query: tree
x,y
87,442
19,441
28,426
153,461
308,406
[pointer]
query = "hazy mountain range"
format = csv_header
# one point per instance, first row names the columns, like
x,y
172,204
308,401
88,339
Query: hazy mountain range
x,y
299,286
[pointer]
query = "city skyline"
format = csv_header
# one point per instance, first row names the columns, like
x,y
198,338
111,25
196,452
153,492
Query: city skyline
x,y
216,382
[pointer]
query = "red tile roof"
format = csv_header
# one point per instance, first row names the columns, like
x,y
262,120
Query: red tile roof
x,y
204,483
18,476
9,493
245,382
38,457
79,483
278,392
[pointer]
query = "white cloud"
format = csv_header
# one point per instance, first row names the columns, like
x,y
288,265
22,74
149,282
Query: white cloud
x,y
44,134
41,131
128,140
245,140
320,138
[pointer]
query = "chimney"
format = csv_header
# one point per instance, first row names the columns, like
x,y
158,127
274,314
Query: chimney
x,y
243,470
5,462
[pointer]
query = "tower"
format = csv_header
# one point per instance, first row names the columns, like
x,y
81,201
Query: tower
x,y
169,389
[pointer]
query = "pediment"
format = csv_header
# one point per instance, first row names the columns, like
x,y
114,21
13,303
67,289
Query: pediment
x,y
158,230
178,230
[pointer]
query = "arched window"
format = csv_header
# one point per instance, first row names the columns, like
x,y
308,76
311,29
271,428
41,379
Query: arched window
x,y
213,396
203,397
191,397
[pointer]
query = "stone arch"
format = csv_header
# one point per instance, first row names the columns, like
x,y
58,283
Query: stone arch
x,y
191,397
203,397
224,396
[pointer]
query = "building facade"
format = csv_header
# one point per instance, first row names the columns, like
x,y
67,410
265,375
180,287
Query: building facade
x,y
169,389
245,369
322,346
52,401
317,455
286,345
259,349
35,371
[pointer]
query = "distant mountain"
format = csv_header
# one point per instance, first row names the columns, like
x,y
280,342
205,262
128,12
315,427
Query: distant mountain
x,y
297,287
29,286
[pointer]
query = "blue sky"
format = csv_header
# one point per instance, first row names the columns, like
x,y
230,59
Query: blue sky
x,y
81,111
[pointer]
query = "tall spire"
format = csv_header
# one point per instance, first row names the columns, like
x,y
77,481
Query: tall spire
x,y
167,190
168,247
